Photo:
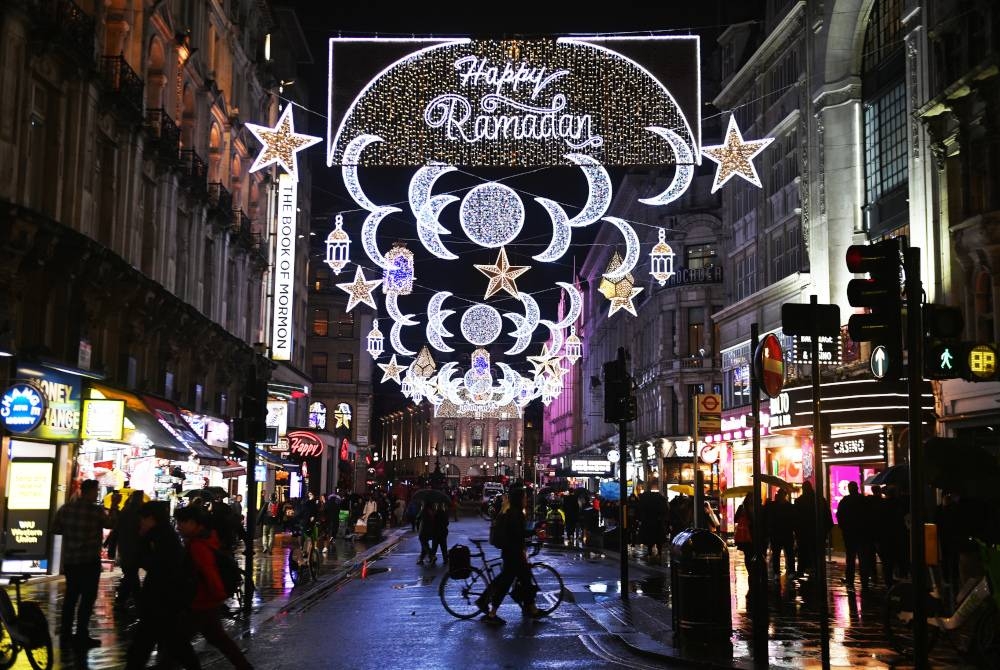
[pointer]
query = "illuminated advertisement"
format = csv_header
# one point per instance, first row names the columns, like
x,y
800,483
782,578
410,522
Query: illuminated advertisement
x,y
102,420
61,422
283,305
29,501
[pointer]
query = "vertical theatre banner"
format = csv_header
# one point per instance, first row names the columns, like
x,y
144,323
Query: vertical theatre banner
x,y
282,333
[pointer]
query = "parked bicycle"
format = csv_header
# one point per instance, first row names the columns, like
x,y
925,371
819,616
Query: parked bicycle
x,y
459,594
23,627
305,557
972,628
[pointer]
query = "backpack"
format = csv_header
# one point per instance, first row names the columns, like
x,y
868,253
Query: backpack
x,y
743,535
229,571
498,531
272,510
459,562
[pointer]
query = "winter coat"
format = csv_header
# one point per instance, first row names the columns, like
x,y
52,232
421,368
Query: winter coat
x,y
209,592
169,583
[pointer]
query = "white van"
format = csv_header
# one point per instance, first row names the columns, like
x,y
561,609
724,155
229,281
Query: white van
x,y
490,489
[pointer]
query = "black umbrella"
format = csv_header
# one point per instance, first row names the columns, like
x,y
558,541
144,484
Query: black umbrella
x,y
207,493
956,466
898,475
431,496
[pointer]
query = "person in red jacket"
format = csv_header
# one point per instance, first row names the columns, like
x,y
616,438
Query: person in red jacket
x,y
201,543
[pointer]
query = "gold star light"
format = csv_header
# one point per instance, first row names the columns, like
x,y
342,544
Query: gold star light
x,y
359,290
281,143
502,274
625,301
391,370
545,362
735,157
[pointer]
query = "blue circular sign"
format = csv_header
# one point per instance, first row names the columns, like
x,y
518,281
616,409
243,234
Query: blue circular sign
x,y
22,408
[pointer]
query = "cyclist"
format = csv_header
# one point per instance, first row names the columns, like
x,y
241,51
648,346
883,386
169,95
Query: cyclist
x,y
304,527
512,530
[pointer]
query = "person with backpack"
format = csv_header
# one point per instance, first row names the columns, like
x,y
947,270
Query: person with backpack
x,y
268,519
426,534
441,520
508,534
201,543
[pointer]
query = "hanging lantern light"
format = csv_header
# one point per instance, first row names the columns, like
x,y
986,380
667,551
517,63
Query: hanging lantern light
x,y
407,385
376,341
661,260
573,347
400,278
338,247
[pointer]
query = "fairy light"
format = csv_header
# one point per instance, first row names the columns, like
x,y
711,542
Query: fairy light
x,y
735,156
281,144
399,279
502,275
338,247
391,370
491,214
360,290
661,259
481,324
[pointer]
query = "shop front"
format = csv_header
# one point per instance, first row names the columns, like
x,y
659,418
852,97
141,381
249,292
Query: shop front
x,y
40,413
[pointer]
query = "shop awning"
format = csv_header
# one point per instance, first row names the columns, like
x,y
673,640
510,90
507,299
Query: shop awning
x,y
139,419
170,416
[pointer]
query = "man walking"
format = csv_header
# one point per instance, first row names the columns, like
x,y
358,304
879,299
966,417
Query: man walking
x,y
81,522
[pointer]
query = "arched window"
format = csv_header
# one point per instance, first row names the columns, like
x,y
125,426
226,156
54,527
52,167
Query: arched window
x,y
883,92
448,443
317,415
477,441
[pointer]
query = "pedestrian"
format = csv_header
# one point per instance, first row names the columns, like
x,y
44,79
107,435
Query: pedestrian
x,y
896,534
805,527
743,536
853,519
127,529
236,504
511,528
652,513
426,533
81,522
441,519
781,532
268,520
201,543
571,512
412,513
332,512
164,599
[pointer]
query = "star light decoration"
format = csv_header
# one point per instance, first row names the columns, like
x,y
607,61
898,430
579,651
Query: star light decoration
x,y
502,275
281,143
546,363
392,370
343,415
359,290
735,156
622,292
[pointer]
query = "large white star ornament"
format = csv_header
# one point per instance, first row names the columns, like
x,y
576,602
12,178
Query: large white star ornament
x,y
359,290
392,370
625,302
502,274
735,156
281,143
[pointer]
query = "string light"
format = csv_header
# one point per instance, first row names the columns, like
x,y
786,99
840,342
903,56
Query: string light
x,y
281,144
360,290
735,156
502,275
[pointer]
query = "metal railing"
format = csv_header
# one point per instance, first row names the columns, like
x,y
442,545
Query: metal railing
x,y
196,172
166,132
243,228
70,26
122,79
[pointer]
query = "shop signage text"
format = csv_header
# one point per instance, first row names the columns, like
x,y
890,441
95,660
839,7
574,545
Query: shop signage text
x,y
284,269
61,420
22,408
305,444
856,447
590,467
829,350
780,411
102,419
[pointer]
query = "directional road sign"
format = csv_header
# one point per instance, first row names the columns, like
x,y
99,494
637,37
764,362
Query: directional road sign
x,y
880,361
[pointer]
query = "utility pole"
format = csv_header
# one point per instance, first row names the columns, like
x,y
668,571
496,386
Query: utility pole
x,y
620,408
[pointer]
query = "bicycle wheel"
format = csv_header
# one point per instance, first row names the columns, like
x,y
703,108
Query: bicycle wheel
x,y
39,650
459,595
550,588
8,648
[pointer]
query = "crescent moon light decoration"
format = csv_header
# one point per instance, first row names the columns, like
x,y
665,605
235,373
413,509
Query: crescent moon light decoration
x,y
555,335
435,316
575,305
525,325
368,230
684,164
349,171
393,309
426,210
631,250
561,231
397,344
599,193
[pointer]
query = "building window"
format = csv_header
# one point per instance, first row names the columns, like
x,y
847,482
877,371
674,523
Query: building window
x,y
321,277
321,322
503,440
345,325
345,368
700,256
696,329
319,363
448,445
745,282
885,143
317,416
477,441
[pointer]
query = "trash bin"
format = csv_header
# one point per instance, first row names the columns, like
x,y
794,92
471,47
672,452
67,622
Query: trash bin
x,y
699,581
373,530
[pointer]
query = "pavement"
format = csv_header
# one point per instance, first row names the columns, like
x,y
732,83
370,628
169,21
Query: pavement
x,y
643,621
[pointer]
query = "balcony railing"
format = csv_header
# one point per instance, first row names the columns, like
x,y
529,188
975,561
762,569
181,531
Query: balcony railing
x,y
221,202
122,79
196,172
166,133
242,228
65,23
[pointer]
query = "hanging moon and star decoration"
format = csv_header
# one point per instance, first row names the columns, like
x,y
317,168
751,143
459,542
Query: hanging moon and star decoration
x,y
451,105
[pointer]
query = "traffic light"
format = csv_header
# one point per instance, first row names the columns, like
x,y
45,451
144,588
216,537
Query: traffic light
x,y
617,389
943,350
880,294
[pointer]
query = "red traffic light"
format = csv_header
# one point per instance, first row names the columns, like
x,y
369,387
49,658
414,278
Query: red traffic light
x,y
874,257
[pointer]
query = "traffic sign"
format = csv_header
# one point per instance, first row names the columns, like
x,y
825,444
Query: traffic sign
x,y
880,362
709,407
769,365
982,362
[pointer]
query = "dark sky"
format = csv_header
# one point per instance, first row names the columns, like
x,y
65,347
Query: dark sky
x,y
321,20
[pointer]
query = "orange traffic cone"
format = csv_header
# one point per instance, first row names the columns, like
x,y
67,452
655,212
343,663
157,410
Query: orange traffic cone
x,y
364,569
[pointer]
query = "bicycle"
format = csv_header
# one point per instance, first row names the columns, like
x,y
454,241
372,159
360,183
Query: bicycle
x,y
23,627
308,547
459,594
973,628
